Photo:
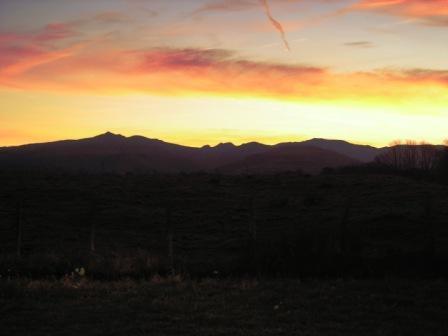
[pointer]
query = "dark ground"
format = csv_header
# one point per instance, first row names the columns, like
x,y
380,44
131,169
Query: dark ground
x,y
288,224
365,255
224,307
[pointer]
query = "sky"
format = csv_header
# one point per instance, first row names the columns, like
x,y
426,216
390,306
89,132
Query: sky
x,y
198,72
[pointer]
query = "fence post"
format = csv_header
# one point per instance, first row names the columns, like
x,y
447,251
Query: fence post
x,y
19,229
92,236
253,222
430,239
170,238
253,231
343,226
92,219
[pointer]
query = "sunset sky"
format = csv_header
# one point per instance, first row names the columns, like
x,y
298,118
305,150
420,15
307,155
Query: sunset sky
x,y
199,72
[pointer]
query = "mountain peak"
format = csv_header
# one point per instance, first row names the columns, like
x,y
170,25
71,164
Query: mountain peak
x,y
326,140
109,135
225,145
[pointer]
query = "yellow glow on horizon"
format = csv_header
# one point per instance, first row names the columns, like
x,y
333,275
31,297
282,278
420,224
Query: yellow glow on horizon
x,y
199,120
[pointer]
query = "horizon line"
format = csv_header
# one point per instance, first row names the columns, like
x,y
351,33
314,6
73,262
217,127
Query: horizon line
x,y
109,133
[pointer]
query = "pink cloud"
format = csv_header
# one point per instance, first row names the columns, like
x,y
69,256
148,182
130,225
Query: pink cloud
x,y
165,71
431,12
54,31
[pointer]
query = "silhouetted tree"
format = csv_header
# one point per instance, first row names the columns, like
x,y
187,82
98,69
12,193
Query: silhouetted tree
x,y
409,156
428,156
442,166
392,158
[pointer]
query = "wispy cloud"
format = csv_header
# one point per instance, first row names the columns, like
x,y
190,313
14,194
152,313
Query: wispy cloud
x,y
111,17
16,61
227,6
239,5
277,25
52,32
359,44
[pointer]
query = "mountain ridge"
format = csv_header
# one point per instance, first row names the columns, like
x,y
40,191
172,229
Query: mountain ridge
x,y
118,153
112,135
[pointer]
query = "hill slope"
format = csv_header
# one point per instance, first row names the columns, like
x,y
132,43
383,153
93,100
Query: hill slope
x,y
290,157
116,153
362,153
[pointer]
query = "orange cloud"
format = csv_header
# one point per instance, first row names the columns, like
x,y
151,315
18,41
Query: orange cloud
x,y
433,12
217,72
34,61
22,52
37,61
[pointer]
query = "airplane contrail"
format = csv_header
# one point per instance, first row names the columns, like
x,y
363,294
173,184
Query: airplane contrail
x,y
277,25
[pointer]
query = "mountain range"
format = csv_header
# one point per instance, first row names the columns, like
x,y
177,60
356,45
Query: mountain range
x,y
110,152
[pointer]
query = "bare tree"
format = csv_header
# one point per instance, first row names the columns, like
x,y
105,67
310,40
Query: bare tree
x,y
397,154
443,161
428,156
410,155
393,156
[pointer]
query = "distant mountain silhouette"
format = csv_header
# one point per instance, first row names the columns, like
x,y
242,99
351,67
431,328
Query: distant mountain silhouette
x,y
290,157
362,153
116,153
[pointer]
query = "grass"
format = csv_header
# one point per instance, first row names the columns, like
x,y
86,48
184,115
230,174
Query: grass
x,y
175,306
370,255
298,224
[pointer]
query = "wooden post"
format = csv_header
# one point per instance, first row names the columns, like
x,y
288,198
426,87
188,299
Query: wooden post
x,y
19,228
429,234
170,237
92,236
253,230
92,219
344,225
253,221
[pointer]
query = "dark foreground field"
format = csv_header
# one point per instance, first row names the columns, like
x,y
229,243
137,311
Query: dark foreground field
x,y
147,254
224,307
202,224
